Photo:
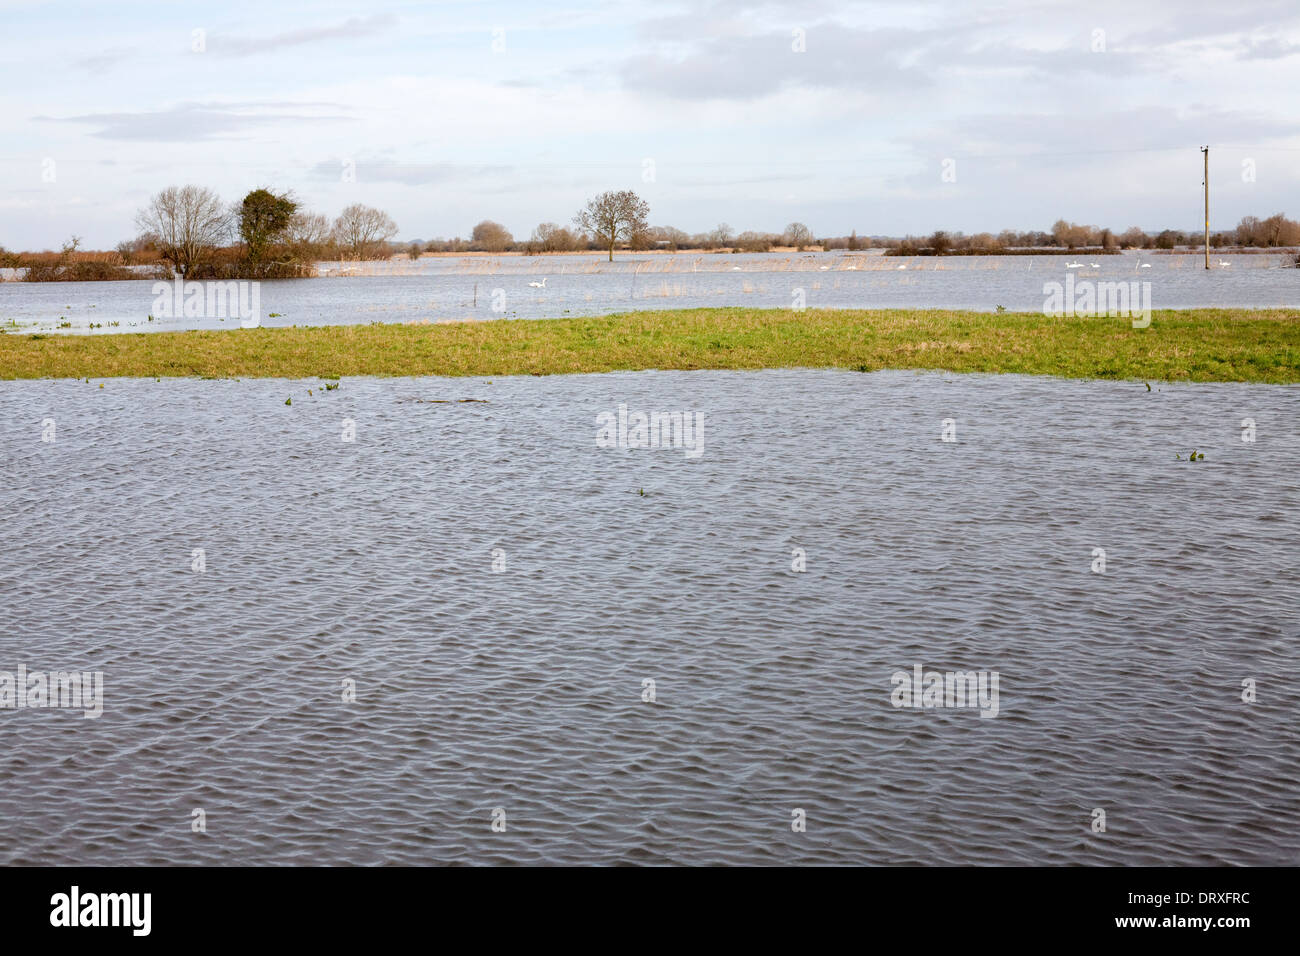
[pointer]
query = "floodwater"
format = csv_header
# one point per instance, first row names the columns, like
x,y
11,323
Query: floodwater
x,y
441,289
521,690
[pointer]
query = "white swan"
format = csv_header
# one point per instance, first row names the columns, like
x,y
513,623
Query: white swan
x,y
902,267
1074,265
539,285
1095,266
1223,263
1146,265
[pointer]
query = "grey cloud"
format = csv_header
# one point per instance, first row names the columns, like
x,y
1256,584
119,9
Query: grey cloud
x,y
740,49
748,67
726,65
1210,21
1267,48
722,18
248,46
105,61
194,121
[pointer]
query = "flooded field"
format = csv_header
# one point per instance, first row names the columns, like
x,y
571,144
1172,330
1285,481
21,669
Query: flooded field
x,y
368,650
439,289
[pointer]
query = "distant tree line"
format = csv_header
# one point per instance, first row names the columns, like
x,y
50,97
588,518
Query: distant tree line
x,y
1276,231
549,237
636,235
269,234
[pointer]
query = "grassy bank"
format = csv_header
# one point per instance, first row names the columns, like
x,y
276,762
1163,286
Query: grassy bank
x,y
1203,345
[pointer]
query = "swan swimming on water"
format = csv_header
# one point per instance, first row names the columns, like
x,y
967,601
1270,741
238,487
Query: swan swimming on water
x,y
539,285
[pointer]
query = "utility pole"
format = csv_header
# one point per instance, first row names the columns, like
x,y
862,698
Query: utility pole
x,y
1206,151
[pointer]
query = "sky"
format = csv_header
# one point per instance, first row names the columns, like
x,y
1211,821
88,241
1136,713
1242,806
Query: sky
x,y
884,118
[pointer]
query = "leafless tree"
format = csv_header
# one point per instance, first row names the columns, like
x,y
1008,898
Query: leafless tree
x,y
188,222
308,233
797,235
492,236
1249,231
614,217
671,236
1133,238
1073,235
1278,230
552,237
364,231
752,241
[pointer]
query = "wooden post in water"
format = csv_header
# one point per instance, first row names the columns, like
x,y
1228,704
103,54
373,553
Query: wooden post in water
x,y
1206,151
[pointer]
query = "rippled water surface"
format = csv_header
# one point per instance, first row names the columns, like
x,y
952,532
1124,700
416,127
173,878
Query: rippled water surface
x,y
441,289
371,561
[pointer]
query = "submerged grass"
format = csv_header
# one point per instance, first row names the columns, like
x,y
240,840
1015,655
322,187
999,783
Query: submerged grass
x,y
1200,345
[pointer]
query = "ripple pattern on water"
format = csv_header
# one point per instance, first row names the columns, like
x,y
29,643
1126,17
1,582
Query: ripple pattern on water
x,y
372,561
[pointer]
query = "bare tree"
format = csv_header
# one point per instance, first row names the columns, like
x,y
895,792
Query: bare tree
x,y
551,237
1278,230
614,217
1249,231
308,234
188,222
1073,235
673,237
364,231
797,235
492,236
750,241
1133,238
